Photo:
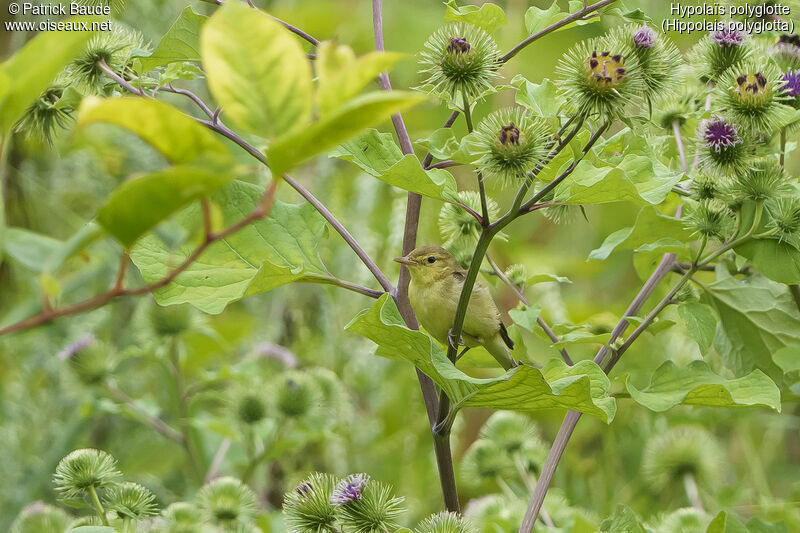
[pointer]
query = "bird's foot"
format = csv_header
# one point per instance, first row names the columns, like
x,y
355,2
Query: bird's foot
x,y
451,340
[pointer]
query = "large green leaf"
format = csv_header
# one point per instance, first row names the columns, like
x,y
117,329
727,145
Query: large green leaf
x,y
726,523
180,43
537,19
700,322
345,122
34,67
342,76
775,259
257,71
276,250
636,178
177,137
757,318
378,155
582,387
650,226
541,98
488,16
696,384
138,205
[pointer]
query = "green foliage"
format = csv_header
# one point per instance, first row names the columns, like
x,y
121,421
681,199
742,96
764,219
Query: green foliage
x,y
181,43
488,16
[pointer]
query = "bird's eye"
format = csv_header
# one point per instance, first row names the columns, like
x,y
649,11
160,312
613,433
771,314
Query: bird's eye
x,y
431,259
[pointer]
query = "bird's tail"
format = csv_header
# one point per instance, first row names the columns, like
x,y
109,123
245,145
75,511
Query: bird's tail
x,y
496,346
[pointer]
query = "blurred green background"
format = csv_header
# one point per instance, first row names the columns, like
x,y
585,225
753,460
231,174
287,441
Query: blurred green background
x,y
46,409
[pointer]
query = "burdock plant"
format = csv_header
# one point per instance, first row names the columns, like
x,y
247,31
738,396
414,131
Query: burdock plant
x,y
721,147
459,58
227,501
599,76
657,57
130,501
445,523
720,50
308,508
365,506
751,96
82,473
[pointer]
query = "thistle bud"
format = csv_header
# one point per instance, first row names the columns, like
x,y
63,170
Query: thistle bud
x,y
445,522
363,504
226,501
721,147
719,51
182,517
459,58
710,218
707,186
83,470
762,181
115,48
295,395
685,519
509,142
130,500
751,96
681,451
457,226
171,320
41,518
786,52
784,214
308,509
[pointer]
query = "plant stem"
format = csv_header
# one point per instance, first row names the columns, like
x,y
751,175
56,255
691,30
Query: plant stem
x,y
183,410
676,130
481,186
154,422
783,147
98,507
553,27
690,486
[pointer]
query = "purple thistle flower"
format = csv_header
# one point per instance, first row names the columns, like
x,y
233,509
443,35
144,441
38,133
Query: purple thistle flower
x,y
729,36
719,134
792,86
644,37
349,489
77,346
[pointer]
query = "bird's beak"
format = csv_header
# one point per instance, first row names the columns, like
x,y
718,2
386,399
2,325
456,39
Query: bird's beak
x,y
403,260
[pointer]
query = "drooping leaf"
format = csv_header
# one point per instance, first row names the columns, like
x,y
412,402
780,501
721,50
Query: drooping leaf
x,y
700,322
29,248
342,75
378,155
138,205
177,137
526,316
757,318
583,337
545,278
488,16
541,98
650,226
582,387
276,250
788,359
180,43
779,261
726,523
623,521
257,71
345,122
443,144
31,70
696,384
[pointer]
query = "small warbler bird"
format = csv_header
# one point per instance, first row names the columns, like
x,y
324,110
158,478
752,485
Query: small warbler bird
x,y
436,283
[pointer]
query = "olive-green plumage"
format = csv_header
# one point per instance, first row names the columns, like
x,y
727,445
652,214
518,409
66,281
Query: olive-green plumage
x,y
436,283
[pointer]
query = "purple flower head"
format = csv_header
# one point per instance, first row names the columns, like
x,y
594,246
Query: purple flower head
x,y
719,134
349,489
304,489
644,37
729,36
792,87
77,346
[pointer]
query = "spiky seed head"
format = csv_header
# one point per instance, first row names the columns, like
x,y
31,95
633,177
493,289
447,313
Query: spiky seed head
x,y
182,517
226,500
114,47
658,60
752,96
41,518
457,59
486,460
710,218
295,394
308,509
83,469
721,147
600,76
130,500
50,112
685,519
457,226
365,506
445,522
517,274
786,52
762,181
509,143
682,450
784,218
706,186
674,106
170,320
249,405
719,51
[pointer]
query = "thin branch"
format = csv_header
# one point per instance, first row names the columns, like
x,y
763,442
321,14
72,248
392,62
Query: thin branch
x,y
443,164
158,425
344,284
553,27
217,461
521,296
676,130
